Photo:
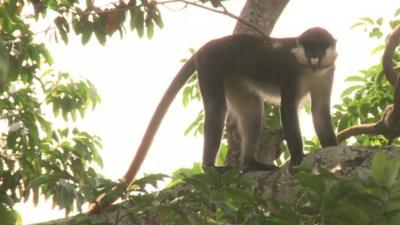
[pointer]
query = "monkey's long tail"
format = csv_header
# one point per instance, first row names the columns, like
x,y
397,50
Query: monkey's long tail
x,y
180,79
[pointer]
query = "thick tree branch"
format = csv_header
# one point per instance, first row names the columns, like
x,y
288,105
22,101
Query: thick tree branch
x,y
388,65
371,128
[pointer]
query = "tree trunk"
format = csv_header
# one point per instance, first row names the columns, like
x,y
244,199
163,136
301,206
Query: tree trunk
x,y
262,14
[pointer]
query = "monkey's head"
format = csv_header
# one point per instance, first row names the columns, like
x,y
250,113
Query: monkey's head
x,y
316,48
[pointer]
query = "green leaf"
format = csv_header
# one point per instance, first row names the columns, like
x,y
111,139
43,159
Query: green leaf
x,y
186,95
36,195
394,23
87,33
46,54
134,17
378,167
9,216
65,196
150,29
151,179
393,206
378,49
379,21
314,182
64,36
4,64
359,24
350,215
368,20
140,24
397,13
350,90
222,154
49,178
355,79
99,29
100,35
195,124
392,172
239,196
199,182
157,18
62,27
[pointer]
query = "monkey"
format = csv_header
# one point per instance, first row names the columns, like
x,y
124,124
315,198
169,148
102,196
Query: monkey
x,y
236,74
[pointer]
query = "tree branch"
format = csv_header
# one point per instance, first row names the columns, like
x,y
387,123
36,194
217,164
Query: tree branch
x,y
371,128
223,12
388,65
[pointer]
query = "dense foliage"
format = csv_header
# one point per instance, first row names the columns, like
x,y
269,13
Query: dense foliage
x,y
370,92
370,197
36,157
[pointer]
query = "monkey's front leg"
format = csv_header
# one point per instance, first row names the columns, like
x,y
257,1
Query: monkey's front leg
x,y
291,128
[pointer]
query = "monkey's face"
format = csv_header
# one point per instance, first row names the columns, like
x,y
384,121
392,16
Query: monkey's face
x,y
316,48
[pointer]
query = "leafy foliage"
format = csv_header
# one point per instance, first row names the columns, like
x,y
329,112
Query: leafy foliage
x,y
38,158
202,198
370,92
370,197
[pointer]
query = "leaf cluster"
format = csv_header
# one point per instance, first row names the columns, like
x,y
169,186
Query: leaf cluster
x,y
100,21
37,157
370,197
370,92
198,198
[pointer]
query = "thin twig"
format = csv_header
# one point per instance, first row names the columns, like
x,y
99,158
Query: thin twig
x,y
224,12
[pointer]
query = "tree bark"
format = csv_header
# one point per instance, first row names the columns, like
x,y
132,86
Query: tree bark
x,y
262,14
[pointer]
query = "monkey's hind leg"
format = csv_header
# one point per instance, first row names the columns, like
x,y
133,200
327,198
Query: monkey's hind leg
x,y
248,110
214,120
213,94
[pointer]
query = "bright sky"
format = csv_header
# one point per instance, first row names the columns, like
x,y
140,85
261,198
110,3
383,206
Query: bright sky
x,y
132,74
